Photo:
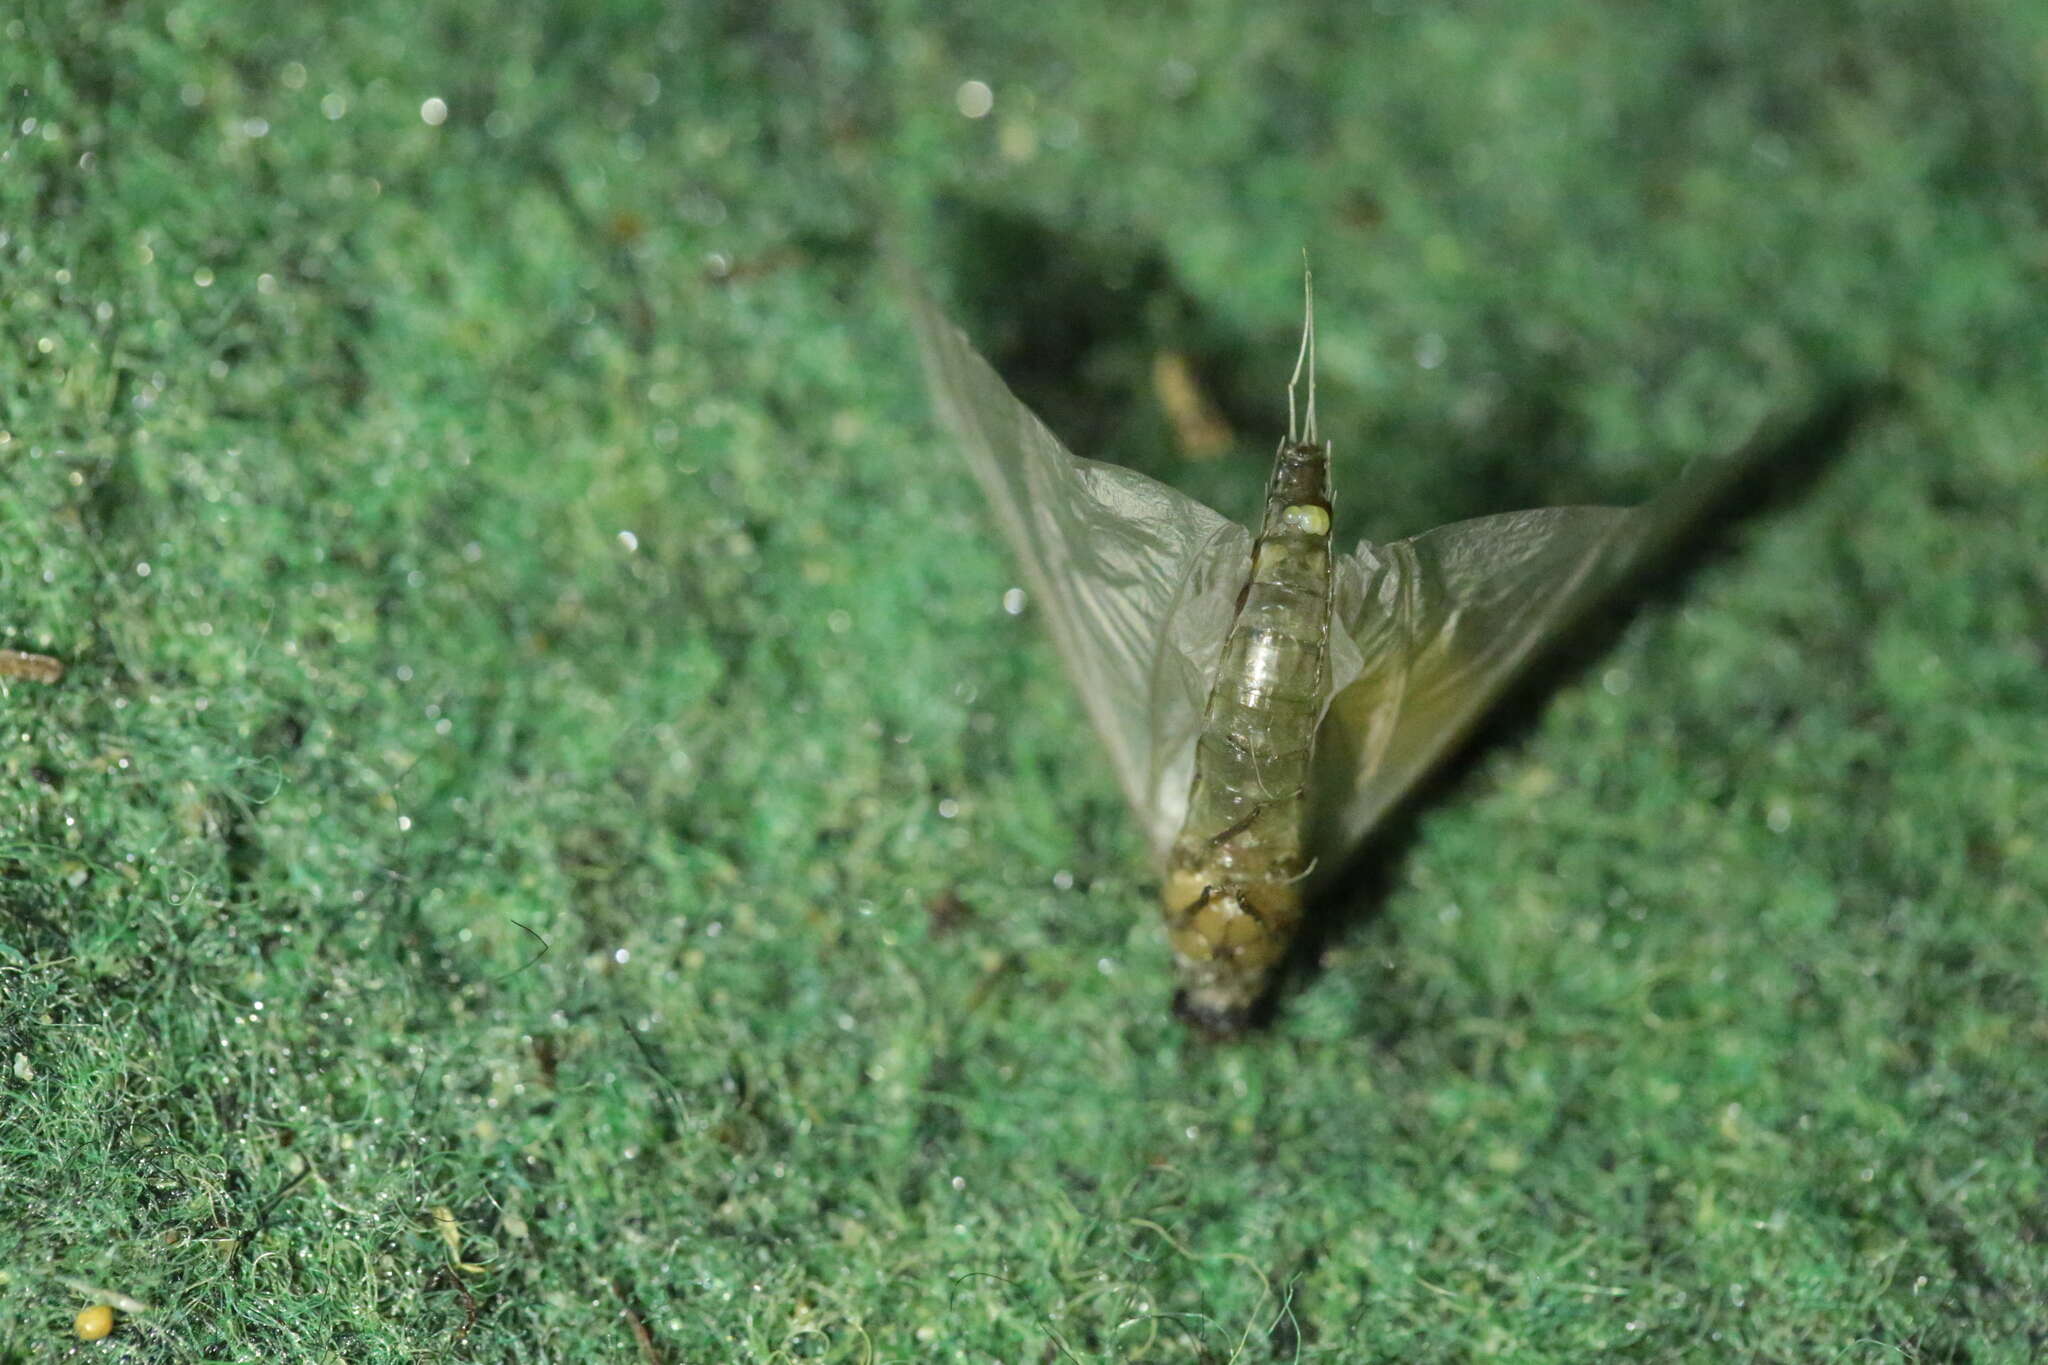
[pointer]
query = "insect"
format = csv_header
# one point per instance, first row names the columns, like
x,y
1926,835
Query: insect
x,y
1264,700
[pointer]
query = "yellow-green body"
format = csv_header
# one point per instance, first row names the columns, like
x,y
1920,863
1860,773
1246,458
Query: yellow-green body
x,y
1232,894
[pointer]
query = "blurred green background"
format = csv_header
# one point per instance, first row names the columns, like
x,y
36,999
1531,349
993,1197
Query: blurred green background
x,y
550,847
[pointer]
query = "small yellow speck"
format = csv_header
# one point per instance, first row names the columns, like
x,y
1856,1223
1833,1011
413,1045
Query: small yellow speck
x,y
1017,140
1730,1123
1199,429
444,1223
93,1323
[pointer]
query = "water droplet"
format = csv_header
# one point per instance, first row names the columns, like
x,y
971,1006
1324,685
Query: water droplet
x,y
974,99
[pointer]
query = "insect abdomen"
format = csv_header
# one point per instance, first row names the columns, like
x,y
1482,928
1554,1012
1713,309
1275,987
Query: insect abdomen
x,y
1232,895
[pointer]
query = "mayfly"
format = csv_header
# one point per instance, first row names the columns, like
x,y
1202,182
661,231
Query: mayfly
x,y
1264,700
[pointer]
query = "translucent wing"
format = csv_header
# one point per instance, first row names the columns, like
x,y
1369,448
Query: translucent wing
x,y
1446,621
1443,623
1136,582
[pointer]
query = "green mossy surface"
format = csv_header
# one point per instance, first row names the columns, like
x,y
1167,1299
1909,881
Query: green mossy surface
x,y
534,664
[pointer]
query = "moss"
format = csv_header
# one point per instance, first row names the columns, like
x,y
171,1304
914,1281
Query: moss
x,y
532,664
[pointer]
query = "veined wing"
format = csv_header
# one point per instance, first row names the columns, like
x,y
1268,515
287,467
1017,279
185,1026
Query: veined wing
x,y
1135,580
1447,621
1444,623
